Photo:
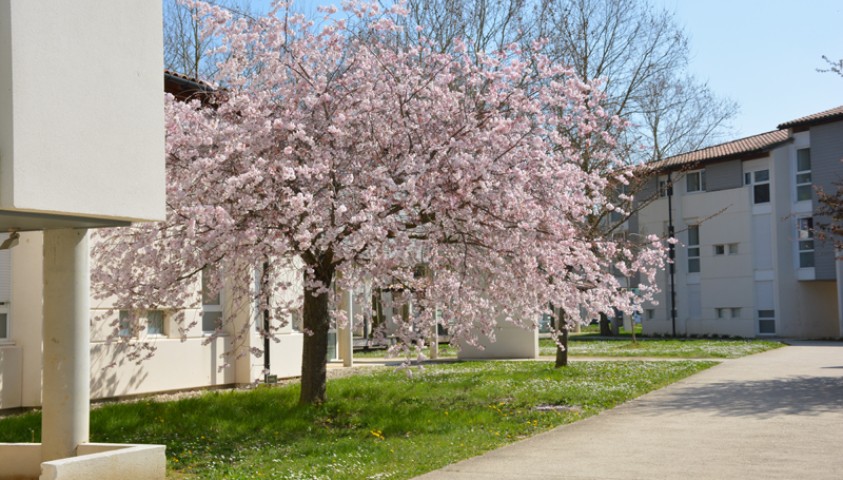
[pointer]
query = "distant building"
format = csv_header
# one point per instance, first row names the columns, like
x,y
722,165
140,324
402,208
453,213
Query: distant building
x,y
748,263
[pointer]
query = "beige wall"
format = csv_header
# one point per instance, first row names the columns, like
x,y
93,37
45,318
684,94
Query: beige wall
x,y
63,149
511,341
195,362
804,308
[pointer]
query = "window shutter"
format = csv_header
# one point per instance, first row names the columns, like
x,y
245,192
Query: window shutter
x,y
5,276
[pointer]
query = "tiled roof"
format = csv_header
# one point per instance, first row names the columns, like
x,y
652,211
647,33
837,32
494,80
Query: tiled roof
x,y
754,144
185,88
821,117
196,81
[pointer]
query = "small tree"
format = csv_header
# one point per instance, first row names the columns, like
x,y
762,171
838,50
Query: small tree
x,y
336,150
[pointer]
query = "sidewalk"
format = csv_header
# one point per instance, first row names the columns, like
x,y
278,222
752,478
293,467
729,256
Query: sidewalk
x,y
775,415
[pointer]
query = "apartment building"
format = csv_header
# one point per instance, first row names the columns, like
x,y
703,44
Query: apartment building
x,y
748,263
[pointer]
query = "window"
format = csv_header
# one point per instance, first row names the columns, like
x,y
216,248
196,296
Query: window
x,y
663,187
211,304
724,249
803,174
693,248
767,322
4,322
651,313
155,322
728,312
695,181
125,324
805,241
760,181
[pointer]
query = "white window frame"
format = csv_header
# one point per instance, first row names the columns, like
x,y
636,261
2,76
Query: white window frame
x,y
725,249
766,315
735,312
700,176
212,310
802,179
163,330
124,324
4,310
693,250
751,179
805,240
662,186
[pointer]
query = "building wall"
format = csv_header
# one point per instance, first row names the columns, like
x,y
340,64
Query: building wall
x,y
826,155
63,149
196,361
724,175
731,292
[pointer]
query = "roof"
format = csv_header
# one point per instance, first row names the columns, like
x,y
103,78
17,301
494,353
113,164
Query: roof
x,y
760,143
184,87
816,118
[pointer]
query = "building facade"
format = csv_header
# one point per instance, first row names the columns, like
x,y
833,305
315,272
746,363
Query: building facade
x,y
748,263
193,358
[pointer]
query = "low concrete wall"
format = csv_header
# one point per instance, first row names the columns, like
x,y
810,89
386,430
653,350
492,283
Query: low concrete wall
x,y
20,461
510,342
109,460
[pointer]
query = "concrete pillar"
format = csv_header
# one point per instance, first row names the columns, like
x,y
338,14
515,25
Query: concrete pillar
x,y
345,335
434,342
838,255
66,334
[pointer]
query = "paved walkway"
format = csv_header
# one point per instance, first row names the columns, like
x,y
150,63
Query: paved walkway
x,y
775,415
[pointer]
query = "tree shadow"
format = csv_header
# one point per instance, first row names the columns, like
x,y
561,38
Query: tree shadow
x,y
761,399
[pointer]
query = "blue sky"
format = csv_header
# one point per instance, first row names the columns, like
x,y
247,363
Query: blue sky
x,y
763,54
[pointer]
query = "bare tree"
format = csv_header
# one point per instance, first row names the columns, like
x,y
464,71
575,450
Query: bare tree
x,y
489,25
641,55
186,49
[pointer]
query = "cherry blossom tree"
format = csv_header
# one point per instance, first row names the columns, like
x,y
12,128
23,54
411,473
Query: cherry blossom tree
x,y
363,161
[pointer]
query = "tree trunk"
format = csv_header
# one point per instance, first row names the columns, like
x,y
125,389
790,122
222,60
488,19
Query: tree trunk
x,y
605,326
562,351
315,319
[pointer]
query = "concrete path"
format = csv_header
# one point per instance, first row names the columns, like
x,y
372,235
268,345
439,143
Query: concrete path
x,y
775,415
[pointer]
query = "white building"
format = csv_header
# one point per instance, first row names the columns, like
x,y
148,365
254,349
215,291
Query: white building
x,y
747,263
176,364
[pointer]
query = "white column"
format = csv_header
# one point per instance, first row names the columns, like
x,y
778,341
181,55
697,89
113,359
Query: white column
x,y
66,334
345,335
434,342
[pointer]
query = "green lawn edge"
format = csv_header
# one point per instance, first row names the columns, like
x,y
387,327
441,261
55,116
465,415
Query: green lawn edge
x,y
383,424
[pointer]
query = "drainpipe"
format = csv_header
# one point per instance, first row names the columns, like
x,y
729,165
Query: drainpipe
x,y
671,253
67,355
265,324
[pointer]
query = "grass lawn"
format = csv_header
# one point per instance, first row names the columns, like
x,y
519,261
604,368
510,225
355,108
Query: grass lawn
x,y
379,425
592,345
